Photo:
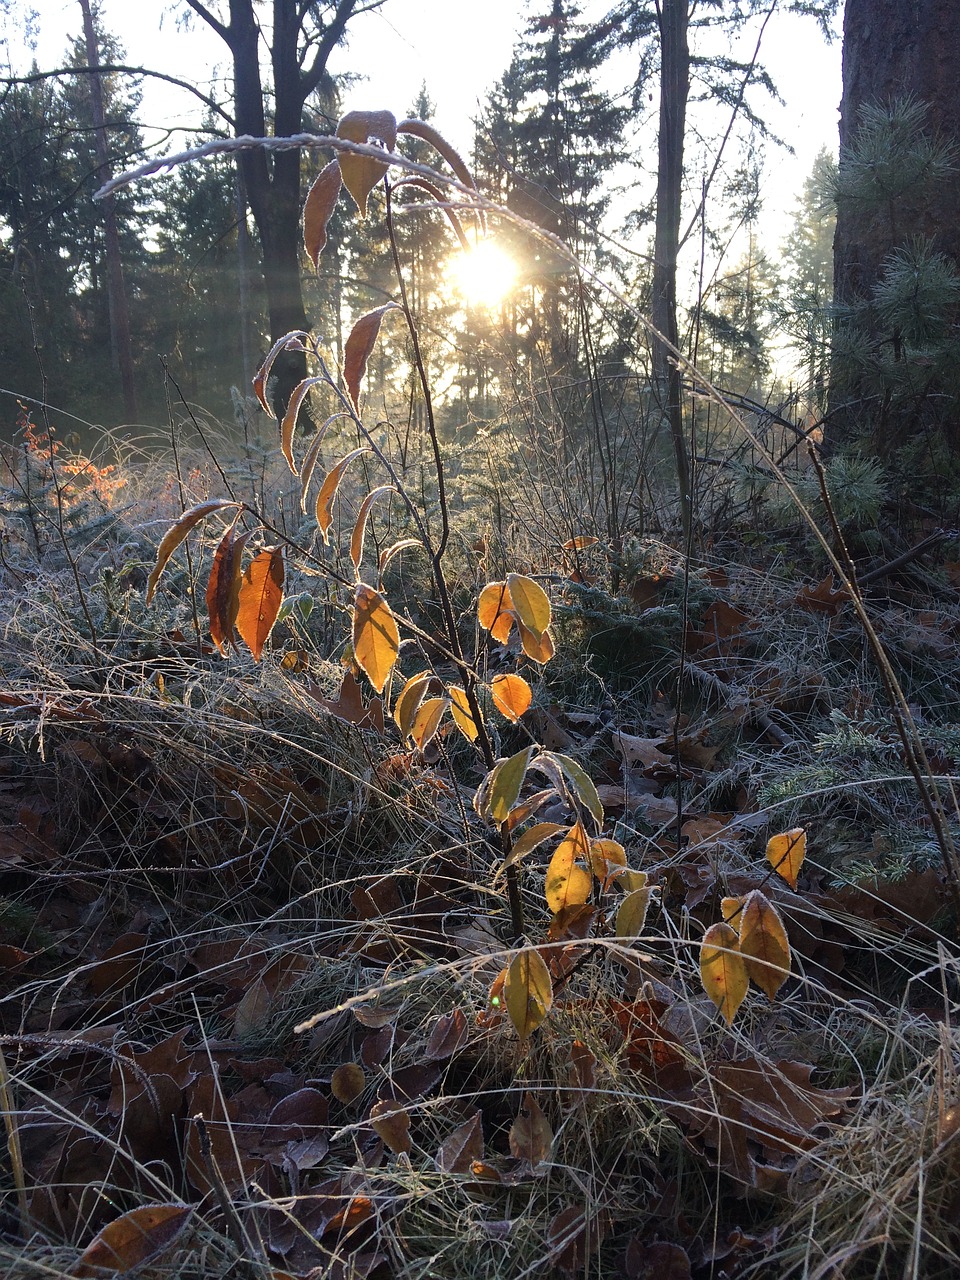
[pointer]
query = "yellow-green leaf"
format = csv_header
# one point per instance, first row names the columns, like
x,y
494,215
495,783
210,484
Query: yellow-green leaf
x,y
511,695
427,721
408,701
505,782
632,914
530,601
722,970
528,992
317,208
261,595
360,528
362,173
460,710
785,853
376,638
567,884
582,783
494,611
764,944
328,492
176,534
358,347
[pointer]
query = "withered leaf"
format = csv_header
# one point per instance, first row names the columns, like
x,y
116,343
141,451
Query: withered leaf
x,y
132,1240
261,595
391,1124
358,348
318,206
460,1149
531,1137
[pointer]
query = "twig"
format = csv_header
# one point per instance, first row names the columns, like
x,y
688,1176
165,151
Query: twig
x,y
13,1146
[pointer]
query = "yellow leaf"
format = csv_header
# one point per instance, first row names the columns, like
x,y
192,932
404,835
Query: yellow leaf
x,y
408,701
604,856
722,970
360,528
528,991
730,909
567,884
328,492
538,648
427,721
176,534
632,914
504,783
493,611
261,595
511,695
786,852
764,944
358,347
362,173
531,602
391,1123
376,638
317,208
460,710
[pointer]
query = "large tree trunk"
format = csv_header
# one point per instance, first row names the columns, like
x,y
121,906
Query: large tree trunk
x,y
674,92
892,49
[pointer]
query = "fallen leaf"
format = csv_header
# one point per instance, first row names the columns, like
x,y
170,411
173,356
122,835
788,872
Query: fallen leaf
x,y
531,1137
460,1149
130,1241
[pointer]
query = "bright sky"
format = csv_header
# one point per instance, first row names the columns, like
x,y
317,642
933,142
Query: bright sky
x,y
459,48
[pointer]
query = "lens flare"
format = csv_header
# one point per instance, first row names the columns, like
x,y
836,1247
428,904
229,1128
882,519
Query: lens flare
x,y
483,274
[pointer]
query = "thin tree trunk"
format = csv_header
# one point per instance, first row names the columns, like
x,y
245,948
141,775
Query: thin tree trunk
x,y
120,343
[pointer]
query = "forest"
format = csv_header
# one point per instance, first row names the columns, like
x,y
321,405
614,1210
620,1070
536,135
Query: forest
x,y
479,682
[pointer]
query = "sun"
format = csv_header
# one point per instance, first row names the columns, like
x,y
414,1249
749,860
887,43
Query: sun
x,y
483,274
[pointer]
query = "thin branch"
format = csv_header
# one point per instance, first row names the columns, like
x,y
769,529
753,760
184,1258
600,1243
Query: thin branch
x,y
36,77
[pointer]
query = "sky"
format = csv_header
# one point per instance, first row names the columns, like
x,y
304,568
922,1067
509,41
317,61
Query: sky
x,y
459,48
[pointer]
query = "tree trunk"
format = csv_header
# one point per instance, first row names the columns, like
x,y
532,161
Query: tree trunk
x,y
894,49
116,290
674,92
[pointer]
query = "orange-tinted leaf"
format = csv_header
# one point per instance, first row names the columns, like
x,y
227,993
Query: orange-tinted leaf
x,y
511,695
632,913
785,853
580,543
176,534
583,1066
288,426
528,991
504,783
360,528
531,603
537,648
376,638
568,884
392,1125
605,855
443,203
461,1148
261,594
387,554
427,721
223,587
530,1135
347,1082
292,341
408,701
722,970
317,208
328,492
823,598
357,349
362,173
460,710
132,1240
763,942
493,611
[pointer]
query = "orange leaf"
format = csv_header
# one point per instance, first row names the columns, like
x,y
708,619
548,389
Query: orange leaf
x,y
288,426
528,991
360,528
511,695
493,610
764,944
223,587
785,853
328,492
539,648
580,543
176,534
604,856
462,715
317,208
427,721
567,884
376,638
130,1241
261,594
722,970
358,347
362,173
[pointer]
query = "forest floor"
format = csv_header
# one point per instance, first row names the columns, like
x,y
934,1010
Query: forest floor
x,y
252,944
